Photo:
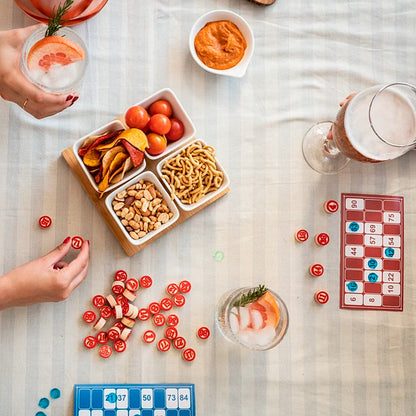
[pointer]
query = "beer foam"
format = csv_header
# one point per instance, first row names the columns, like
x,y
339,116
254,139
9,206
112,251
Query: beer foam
x,y
393,117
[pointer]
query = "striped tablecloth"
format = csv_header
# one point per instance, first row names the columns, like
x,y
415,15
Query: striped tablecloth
x,y
309,55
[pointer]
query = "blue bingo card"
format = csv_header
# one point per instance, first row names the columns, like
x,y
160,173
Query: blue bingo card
x,y
134,400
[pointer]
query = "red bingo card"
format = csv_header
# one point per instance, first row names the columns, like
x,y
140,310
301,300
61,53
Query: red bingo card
x,y
372,248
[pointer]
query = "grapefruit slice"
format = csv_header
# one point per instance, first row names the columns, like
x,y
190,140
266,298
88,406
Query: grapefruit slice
x,y
53,50
267,306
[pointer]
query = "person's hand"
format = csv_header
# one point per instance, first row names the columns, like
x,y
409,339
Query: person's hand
x,y
46,279
13,84
330,136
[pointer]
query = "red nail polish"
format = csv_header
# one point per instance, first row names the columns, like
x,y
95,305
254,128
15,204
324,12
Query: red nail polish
x,y
70,97
74,99
67,240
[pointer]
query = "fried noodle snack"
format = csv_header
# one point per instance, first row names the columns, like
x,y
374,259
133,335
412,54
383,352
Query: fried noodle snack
x,y
192,173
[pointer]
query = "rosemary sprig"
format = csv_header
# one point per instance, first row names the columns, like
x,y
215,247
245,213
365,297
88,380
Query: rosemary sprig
x,y
55,20
251,296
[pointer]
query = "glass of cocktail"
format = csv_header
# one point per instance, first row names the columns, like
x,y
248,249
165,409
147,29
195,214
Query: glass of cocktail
x,y
374,125
81,10
57,63
255,317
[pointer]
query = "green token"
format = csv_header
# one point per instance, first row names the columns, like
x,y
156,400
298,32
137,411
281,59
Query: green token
x,y
219,255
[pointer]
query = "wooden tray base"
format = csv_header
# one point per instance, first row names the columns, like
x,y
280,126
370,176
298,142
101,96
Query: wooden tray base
x,y
128,247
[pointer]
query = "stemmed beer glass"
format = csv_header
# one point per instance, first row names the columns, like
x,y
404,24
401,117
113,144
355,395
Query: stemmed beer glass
x,y
374,125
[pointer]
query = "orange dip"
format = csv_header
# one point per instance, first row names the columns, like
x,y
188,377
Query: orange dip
x,y
220,44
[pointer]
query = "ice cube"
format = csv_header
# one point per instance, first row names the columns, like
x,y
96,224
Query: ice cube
x,y
234,324
256,319
244,314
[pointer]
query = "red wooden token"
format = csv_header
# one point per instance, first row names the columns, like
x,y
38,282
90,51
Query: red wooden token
x,y
149,336
172,289
119,324
154,307
316,270
189,354
143,314
105,351
114,334
322,239
117,287
102,337
166,304
159,319
77,242
179,343
171,332
132,284
331,206
321,297
45,221
122,300
203,332
172,320
163,345
178,300
106,311
301,235
90,342
120,275
146,281
185,286
89,316
98,301
119,345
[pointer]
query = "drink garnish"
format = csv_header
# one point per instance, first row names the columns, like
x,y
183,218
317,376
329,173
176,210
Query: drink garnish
x,y
251,296
55,20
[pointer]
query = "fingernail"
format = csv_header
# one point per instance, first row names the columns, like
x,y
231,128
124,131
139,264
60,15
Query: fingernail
x,y
66,240
74,99
70,97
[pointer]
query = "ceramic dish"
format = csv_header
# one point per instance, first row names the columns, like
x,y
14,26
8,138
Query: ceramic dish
x,y
178,112
240,69
110,127
207,197
150,177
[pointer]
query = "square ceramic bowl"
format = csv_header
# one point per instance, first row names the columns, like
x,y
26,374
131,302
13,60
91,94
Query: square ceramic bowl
x,y
110,127
150,177
240,69
207,197
178,112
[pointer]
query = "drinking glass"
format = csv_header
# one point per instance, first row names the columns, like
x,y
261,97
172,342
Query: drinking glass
x,y
374,125
81,10
59,79
257,332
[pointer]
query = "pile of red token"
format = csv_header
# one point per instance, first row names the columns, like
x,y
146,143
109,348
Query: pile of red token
x,y
118,306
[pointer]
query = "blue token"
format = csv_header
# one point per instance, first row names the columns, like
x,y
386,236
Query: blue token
x,y
40,414
111,398
354,226
372,263
389,252
43,403
352,286
373,277
55,393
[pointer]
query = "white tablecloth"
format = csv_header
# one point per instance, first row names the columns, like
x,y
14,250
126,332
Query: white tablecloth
x,y
308,56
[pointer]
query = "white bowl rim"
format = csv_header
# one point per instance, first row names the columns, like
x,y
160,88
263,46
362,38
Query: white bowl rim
x,y
240,69
173,208
207,197
131,174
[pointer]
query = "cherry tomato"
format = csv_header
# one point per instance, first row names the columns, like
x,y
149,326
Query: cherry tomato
x,y
176,130
161,107
159,123
137,117
157,144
